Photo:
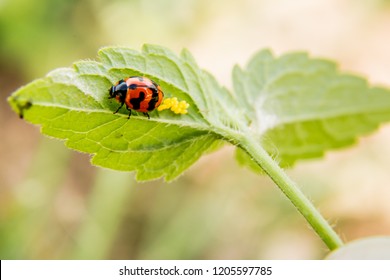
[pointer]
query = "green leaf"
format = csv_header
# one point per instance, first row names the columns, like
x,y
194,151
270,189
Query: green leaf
x,y
296,107
287,108
300,107
72,104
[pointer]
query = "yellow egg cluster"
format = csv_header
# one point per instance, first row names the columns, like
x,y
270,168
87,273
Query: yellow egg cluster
x,y
176,106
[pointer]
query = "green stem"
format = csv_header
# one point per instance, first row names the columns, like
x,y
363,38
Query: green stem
x,y
292,191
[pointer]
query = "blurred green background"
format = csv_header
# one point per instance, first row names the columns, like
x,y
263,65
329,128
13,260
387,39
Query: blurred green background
x,y
55,205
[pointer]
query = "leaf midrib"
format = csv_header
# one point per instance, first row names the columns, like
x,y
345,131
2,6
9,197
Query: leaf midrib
x,y
195,126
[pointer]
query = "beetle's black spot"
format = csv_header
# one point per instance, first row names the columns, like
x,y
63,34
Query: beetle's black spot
x,y
132,86
136,102
154,100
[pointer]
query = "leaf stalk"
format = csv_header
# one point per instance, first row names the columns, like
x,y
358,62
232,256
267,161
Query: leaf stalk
x,y
292,191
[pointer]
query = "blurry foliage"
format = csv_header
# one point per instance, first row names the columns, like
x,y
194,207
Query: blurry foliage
x,y
31,30
54,205
57,206
42,34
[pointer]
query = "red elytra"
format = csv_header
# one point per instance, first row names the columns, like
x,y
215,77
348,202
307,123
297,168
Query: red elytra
x,y
138,93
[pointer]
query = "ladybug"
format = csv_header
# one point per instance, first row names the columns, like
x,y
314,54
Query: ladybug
x,y
138,93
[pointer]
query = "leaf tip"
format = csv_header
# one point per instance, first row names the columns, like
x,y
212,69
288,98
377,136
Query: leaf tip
x,y
19,105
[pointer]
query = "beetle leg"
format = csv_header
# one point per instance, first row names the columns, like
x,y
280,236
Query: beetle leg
x,y
119,108
146,114
129,112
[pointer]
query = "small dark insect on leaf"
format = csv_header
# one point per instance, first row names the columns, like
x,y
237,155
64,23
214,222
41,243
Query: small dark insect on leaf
x,y
22,106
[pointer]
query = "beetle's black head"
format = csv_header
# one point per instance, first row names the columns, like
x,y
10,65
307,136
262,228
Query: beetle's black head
x,y
111,92
119,90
